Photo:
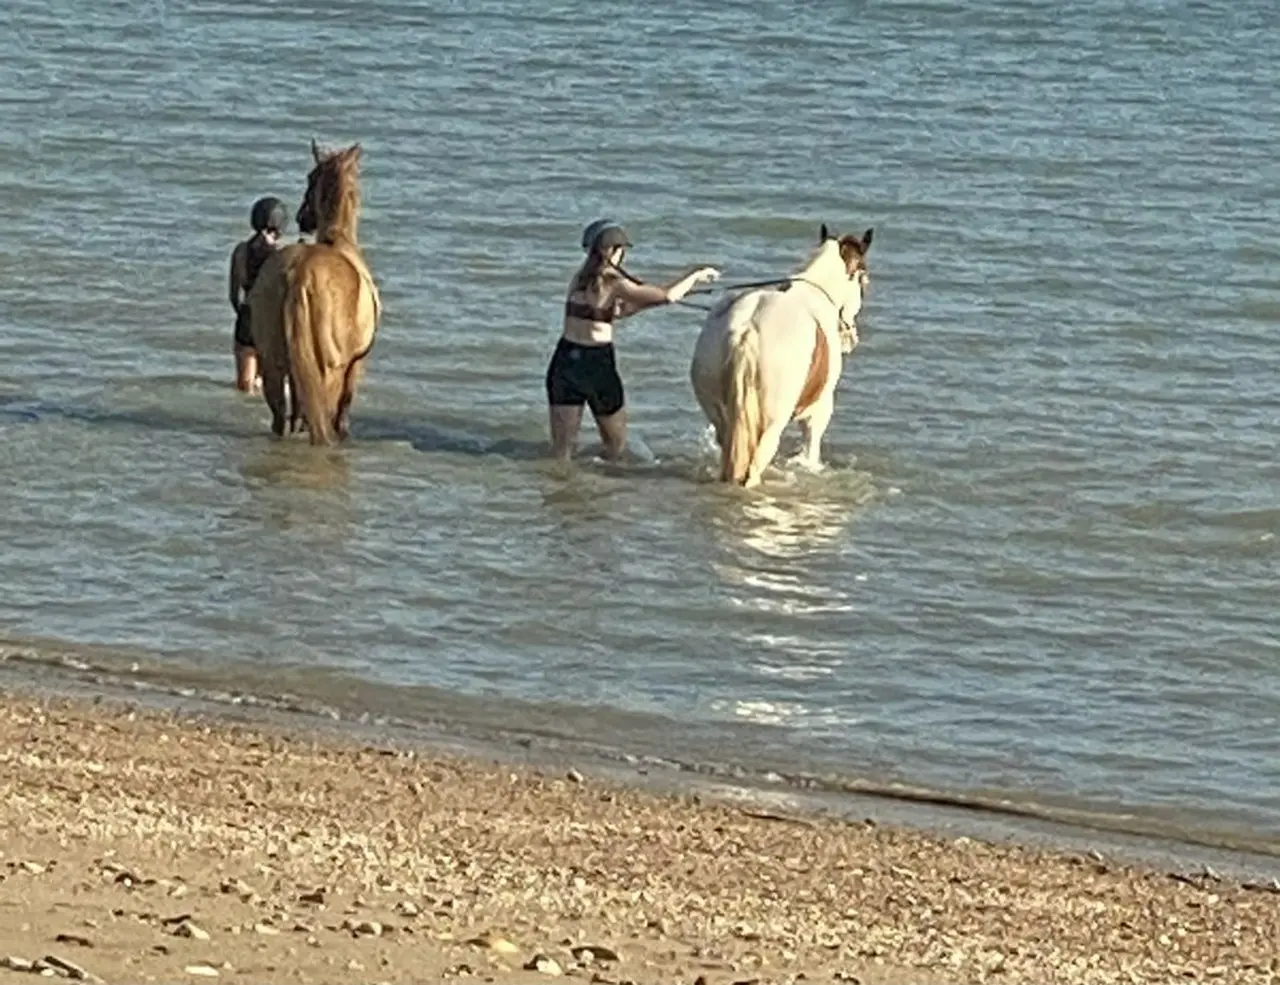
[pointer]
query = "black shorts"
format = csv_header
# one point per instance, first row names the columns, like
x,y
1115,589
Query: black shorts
x,y
585,374
243,336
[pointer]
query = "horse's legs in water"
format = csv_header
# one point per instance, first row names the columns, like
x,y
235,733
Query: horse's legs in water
x,y
613,434
273,391
765,451
297,415
814,425
713,412
566,420
342,421
722,434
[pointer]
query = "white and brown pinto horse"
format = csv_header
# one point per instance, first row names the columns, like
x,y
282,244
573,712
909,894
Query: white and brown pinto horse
x,y
772,355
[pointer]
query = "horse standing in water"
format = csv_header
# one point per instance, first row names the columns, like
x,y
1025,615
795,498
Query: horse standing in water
x,y
773,355
315,309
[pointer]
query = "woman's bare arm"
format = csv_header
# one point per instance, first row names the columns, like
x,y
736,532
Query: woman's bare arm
x,y
637,297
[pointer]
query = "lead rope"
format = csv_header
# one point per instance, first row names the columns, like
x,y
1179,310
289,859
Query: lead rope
x,y
844,326
684,304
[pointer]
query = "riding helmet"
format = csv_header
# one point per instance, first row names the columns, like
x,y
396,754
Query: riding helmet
x,y
269,213
603,235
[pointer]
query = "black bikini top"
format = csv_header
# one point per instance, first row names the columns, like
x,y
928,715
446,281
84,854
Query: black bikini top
x,y
580,309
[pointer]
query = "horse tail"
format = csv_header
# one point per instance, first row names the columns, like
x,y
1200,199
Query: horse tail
x,y
742,404
306,370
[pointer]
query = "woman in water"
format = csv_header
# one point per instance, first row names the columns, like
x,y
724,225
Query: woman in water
x,y
583,369
269,217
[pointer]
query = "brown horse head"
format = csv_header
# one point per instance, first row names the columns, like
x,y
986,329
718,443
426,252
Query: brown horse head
x,y
331,205
853,250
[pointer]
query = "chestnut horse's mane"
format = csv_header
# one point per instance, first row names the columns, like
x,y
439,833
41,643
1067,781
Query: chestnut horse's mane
x,y
335,190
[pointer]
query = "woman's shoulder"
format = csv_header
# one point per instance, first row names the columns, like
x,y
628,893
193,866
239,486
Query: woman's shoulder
x,y
610,279
585,281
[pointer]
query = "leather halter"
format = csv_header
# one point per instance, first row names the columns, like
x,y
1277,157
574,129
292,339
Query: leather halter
x,y
840,319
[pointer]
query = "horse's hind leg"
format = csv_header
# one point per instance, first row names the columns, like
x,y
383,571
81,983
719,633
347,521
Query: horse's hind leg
x,y
814,426
765,451
273,392
342,419
297,414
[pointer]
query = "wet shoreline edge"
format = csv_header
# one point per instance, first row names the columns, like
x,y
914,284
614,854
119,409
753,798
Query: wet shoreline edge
x,y
933,814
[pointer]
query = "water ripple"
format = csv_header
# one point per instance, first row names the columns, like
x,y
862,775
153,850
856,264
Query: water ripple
x,y
1043,559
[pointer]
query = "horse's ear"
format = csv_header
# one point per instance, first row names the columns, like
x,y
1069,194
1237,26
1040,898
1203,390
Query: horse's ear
x,y
823,234
355,152
315,151
866,239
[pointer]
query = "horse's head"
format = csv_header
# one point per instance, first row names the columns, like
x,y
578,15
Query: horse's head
x,y
332,199
852,251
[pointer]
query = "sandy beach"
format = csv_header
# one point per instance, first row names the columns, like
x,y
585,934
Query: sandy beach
x,y
141,845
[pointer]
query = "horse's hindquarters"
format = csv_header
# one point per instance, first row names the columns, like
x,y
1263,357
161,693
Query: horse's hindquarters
x,y
797,355
266,302
325,316
709,367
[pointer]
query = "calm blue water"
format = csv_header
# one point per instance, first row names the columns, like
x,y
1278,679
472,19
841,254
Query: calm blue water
x,y
1043,565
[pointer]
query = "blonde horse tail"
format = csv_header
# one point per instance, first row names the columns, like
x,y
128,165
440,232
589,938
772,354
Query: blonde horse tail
x,y
307,376
742,404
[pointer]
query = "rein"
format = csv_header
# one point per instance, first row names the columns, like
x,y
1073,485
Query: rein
x,y
783,282
776,282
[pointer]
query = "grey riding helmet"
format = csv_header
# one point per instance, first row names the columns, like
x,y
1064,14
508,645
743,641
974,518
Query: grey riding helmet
x,y
269,213
604,235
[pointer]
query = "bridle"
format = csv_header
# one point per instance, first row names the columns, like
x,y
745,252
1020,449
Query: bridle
x,y
845,327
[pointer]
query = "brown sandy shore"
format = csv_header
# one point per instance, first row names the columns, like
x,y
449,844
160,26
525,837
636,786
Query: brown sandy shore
x,y
143,846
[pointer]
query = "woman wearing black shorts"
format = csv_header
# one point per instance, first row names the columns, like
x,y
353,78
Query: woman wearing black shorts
x,y
583,369
269,217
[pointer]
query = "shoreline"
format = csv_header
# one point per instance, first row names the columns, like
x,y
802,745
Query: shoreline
x,y
420,852
473,729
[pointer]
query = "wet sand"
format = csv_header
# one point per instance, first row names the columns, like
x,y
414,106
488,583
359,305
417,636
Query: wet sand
x,y
141,845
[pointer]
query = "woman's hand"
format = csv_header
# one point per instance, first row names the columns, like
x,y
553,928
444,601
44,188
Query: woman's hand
x,y
703,275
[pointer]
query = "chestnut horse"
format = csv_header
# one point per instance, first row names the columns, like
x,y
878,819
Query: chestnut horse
x,y
315,309
773,355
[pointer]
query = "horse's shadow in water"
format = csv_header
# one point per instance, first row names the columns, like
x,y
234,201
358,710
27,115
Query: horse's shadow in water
x,y
435,439
27,409
296,464
321,467
14,412
430,438
294,486
31,410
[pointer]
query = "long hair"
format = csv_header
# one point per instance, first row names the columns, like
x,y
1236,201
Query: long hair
x,y
591,275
